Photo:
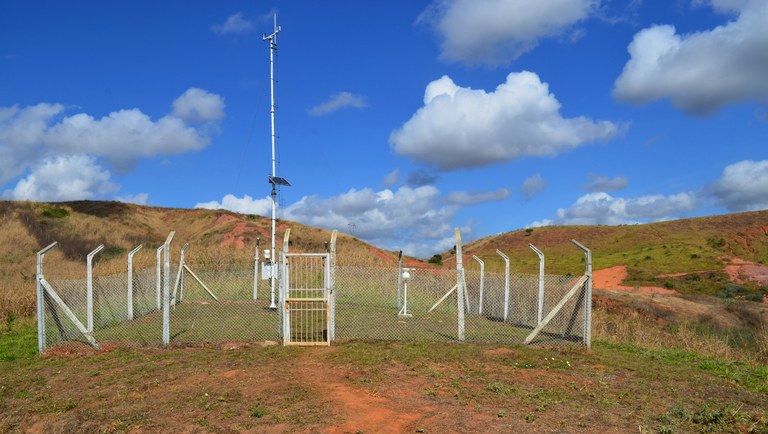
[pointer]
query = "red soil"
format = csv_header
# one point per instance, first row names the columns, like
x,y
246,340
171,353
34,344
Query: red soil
x,y
613,277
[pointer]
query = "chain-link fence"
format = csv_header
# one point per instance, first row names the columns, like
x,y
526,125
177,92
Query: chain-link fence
x,y
317,302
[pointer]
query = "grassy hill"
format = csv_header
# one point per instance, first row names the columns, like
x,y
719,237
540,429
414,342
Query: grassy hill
x,y
26,227
702,246
659,363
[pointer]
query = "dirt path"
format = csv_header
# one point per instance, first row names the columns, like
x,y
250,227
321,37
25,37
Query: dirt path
x,y
358,410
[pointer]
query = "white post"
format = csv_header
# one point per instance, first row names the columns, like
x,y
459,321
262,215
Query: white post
x,y
399,278
460,282
587,295
405,276
167,288
41,298
89,286
158,285
506,283
540,304
482,283
256,270
130,280
332,284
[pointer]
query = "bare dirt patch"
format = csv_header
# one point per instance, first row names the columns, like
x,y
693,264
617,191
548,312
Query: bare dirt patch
x,y
612,279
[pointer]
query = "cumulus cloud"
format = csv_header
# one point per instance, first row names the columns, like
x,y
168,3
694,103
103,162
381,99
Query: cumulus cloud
x,y
62,178
138,199
244,205
464,198
533,185
32,134
412,219
198,105
743,186
337,102
235,24
461,127
498,31
604,209
597,183
703,71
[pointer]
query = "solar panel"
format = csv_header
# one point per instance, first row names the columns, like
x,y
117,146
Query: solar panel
x,y
276,180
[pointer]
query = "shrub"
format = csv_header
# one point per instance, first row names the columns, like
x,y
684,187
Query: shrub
x,y
57,213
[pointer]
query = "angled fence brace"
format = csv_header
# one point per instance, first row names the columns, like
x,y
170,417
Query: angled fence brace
x,y
192,273
158,277
587,295
63,306
540,298
461,286
41,298
482,283
506,283
89,287
569,295
167,288
179,278
130,280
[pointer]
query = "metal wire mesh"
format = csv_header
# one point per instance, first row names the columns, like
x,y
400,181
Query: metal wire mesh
x,y
216,304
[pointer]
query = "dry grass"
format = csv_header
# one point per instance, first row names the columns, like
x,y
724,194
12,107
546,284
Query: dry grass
x,y
644,332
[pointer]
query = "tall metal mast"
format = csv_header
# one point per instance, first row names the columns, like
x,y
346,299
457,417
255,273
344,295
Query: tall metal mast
x,y
274,180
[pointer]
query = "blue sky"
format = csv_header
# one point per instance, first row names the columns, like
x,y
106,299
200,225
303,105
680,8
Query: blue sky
x,y
397,121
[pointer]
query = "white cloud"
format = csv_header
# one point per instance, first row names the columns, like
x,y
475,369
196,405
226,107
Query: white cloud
x,y
533,185
460,127
597,183
498,31
604,209
66,177
198,105
244,205
235,23
138,199
392,177
337,102
412,219
703,71
743,186
464,198
32,134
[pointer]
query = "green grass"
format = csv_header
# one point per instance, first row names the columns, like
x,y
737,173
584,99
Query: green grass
x,y
19,341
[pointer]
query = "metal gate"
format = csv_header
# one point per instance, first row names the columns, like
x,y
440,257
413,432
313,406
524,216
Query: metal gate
x,y
305,291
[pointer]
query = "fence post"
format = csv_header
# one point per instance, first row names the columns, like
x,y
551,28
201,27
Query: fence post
x,y
167,288
89,286
130,280
460,282
540,304
182,264
40,298
284,321
332,284
158,285
256,270
506,283
587,295
399,279
482,283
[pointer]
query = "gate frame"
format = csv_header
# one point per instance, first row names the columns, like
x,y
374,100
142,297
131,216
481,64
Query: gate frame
x,y
327,298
